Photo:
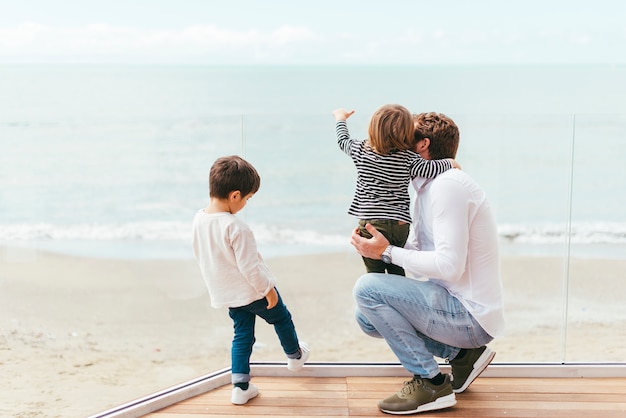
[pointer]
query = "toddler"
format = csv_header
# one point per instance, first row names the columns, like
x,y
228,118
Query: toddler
x,y
386,163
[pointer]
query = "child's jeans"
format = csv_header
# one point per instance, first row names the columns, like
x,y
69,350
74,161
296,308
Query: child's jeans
x,y
244,318
396,233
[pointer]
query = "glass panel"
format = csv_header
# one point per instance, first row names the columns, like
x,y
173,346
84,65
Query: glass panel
x,y
598,253
101,300
523,163
100,293
300,219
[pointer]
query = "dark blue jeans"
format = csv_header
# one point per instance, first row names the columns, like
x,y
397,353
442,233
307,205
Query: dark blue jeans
x,y
244,318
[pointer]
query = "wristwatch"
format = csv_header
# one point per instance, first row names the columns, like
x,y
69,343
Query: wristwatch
x,y
386,255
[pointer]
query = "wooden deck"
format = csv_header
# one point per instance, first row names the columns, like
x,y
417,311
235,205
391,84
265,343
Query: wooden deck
x,y
357,397
353,390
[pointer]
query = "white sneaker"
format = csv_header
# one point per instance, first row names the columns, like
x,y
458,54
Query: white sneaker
x,y
241,397
295,364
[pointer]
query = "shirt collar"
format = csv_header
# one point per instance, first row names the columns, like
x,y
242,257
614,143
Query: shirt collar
x,y
419,183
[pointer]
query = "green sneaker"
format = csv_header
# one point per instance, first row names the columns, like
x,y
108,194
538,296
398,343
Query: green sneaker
x,y
419,395
473,363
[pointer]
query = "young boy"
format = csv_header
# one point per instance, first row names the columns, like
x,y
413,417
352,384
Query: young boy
x,y
236,275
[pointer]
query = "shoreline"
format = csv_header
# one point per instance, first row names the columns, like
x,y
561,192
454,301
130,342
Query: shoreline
x,y
72,327
178,250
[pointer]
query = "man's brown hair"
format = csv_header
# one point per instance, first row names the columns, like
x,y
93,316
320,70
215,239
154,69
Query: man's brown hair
x,y
232,173
442,132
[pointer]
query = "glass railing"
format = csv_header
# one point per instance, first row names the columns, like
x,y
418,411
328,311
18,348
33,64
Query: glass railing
x,y
103,303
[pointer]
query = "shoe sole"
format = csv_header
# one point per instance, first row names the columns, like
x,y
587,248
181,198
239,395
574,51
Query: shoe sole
x,y
479,366
439,403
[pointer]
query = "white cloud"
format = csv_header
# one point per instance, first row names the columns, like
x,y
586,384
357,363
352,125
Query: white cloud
x,y
207,36
20,36
290,34
31,40
580,39
284,44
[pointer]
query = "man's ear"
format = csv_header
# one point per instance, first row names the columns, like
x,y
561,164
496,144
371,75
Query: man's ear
x,y
423,145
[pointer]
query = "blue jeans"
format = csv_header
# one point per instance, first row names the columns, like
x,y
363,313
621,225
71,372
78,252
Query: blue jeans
x,y
244,318
418,320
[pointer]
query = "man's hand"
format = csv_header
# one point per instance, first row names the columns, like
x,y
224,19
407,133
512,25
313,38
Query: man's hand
x,y
372,247
272,298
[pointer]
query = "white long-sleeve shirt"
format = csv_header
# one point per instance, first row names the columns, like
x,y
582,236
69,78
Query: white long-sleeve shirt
x,y
455,234
226,251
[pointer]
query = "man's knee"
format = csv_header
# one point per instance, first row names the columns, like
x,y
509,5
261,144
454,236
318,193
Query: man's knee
x,y
364,285
365,325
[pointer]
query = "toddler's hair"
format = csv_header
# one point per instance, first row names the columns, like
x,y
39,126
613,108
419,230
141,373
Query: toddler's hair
x,y
391,129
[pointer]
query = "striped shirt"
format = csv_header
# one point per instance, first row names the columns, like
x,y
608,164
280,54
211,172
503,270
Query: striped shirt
x,y
383,180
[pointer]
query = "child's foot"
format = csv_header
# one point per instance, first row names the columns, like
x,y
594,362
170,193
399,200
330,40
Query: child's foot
x,y
240,396
295,364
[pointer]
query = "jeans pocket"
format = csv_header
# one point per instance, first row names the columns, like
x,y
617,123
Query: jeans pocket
x,y
455,335
471,337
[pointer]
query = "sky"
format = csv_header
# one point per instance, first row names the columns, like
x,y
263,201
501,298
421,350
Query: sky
x,y
282,32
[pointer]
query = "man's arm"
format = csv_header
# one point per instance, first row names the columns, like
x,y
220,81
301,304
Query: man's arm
x,y
450,209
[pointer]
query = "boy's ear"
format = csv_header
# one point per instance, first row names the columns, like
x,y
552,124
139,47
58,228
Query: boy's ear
x,y
235,194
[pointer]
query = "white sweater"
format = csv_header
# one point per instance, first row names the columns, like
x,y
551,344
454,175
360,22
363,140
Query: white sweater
x,y
226,251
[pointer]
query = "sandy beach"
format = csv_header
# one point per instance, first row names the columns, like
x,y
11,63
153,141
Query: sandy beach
x,y
80,335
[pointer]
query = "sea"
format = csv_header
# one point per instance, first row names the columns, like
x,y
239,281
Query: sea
x,y
112,161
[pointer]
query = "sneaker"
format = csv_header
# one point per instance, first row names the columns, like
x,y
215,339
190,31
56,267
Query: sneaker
x,y
473,363
295,364
419,395
241,397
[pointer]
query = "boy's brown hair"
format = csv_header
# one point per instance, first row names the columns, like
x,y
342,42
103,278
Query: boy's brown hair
x,y
232,173
391,129
442,132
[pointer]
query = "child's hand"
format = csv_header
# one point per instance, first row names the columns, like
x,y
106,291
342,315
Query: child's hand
x,y
342,114
455,164
272,298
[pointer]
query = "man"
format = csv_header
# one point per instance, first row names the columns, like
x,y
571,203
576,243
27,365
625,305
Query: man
x,y
450,306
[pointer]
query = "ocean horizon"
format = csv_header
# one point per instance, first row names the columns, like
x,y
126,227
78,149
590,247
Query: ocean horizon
x,y
112,161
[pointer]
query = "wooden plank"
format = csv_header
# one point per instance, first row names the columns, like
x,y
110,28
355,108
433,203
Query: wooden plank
x,y
261,401
251,408
358,397
541,397
579,385
238,412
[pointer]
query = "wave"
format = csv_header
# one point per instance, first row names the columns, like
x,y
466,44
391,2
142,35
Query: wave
x,y
579,233
127,231
154,231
